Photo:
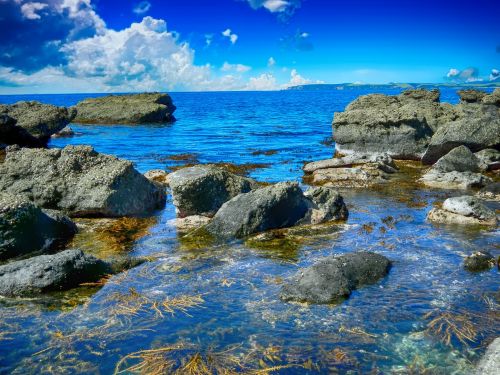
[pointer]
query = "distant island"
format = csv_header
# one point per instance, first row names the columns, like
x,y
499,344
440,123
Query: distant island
x,y
369,86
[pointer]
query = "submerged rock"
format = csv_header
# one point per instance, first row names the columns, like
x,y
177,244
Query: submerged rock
x,y
79,181
203,189
46,273
490,363
277,206
400,125
126,109
463,210
31,123
25,228
479,261
335,277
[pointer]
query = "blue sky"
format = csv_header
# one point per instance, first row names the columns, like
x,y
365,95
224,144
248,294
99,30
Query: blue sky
x,y
130,45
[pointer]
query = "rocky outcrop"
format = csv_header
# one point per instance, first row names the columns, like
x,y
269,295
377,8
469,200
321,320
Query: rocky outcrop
x,y
126,109
31,123
326,204
203,189
490,363
465,210
458,169
489,159
79,181
25,228
477,126
479,261
46,273
334,278
400,125
354,170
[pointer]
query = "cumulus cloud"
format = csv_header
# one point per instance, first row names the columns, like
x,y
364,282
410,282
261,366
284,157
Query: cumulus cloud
x,y
464,76
142,7
239,68
264,82
29,10
282,7
271,62
494,75
230,35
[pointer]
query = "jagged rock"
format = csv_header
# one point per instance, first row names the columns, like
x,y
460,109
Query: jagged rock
x,y
126,109
157,175
489,159
326,205
493,98
277,206
202,189
479,261
79,181
459,159
31,123
471,96
25,228
46,273
463,210
400,125
490,192
490,363
65,132
335,277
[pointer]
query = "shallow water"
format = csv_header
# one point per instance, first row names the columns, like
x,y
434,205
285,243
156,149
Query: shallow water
x,y
234,313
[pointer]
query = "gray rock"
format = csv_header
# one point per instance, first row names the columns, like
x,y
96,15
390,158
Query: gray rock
x,y
335,277
471,96
493,98
400,125
158,176
479,261
202,189
31,123
490,192
460,159
355,177
66,132
463,210
351,160
126,109
46,273
326,205
490,363
25,228
454,180
489,159
189,223
278,206
79,181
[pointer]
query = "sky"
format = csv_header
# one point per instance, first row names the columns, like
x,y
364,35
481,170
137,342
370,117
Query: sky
x,y
71,46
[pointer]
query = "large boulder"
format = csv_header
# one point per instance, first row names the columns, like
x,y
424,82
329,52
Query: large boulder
x,y
25,228
31,123
459,159
400,125
466,210
126,109
46,273
79,181
277,206
490,363
477,126
335,277
203,189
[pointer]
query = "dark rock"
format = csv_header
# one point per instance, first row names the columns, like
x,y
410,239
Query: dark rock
x,y
79,181
34,123
126,109
25,228
460,159
335,277
479,261
46,273
202,189
466,210
278,206
471,96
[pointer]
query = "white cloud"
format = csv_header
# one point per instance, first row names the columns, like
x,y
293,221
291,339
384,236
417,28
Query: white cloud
x,y
271,62
142,7
495,74
229,34
276,6
264,82
453,73
240,68
29,10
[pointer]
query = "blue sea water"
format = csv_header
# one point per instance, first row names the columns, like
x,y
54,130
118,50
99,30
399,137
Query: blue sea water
x,y
381,328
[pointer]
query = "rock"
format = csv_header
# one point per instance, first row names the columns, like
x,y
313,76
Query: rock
x,y
356,177
459,159
46,273
335,277
277,206
493,98
189,223
64,133
490,363
454,180
354,159
158,176
489,159
202,189
490,192
126,109
400,125
326,205
471,96
79,181
31,123
25,228
463,210
479,261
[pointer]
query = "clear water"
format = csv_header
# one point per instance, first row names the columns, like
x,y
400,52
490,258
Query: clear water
x,y
381,328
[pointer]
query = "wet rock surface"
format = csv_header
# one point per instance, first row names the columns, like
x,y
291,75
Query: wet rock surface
x,y
46,273
335,277
463,210
79,181
31,123
126,109
479,261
